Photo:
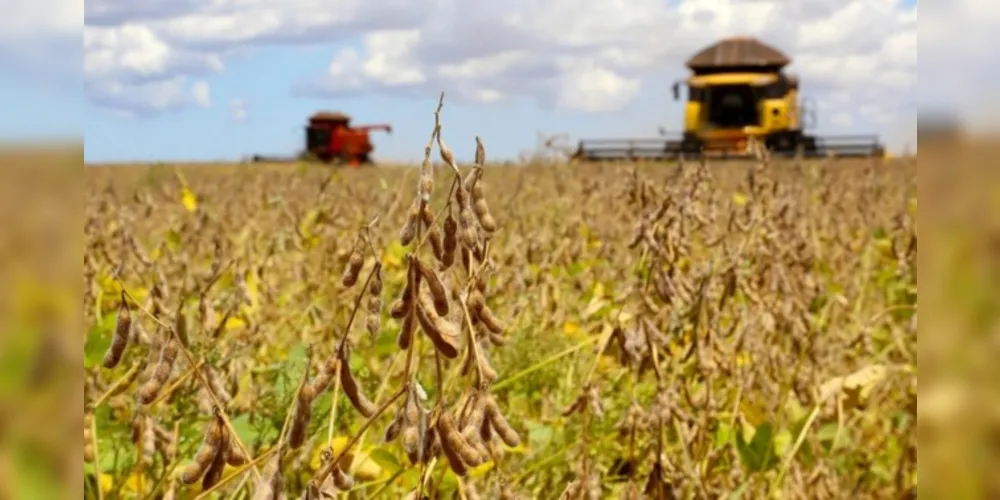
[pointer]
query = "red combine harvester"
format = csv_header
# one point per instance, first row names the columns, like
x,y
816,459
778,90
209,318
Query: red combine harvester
x,y
331,139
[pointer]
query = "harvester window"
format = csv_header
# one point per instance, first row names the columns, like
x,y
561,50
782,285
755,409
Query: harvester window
x,y
317,138
732,106
775,90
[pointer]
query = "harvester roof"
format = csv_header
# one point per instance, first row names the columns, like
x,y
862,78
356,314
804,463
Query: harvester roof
x,y
737,52
329,116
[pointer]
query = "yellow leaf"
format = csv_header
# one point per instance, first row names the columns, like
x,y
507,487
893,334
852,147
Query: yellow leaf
x,y
394,254
234,323
132,484
252,288
481,470
782,442
595,305
742,359
189,200
598,290
740,199
753,412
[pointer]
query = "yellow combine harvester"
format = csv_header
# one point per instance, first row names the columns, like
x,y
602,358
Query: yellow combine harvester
x,y
737,94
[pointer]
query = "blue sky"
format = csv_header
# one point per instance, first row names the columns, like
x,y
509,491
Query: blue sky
x,y
184,80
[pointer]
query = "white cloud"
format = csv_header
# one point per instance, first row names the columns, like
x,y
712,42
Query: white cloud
x,y
591,88
150,97
201,94
586,55
238,109
595,55
41,42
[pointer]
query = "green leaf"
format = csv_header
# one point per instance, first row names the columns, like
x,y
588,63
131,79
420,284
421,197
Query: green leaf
x,y
385,459
539,435
241,425
98,340
723,434
758,455
295,366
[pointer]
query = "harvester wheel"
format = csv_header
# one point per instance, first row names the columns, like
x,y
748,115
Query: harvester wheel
x,y
809,144
782,143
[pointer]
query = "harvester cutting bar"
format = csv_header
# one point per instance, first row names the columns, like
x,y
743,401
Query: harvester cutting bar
x,y
846,146
273,159
627,149
661,149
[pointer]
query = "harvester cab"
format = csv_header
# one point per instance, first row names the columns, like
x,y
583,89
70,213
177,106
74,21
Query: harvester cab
x,y
737,93
331,139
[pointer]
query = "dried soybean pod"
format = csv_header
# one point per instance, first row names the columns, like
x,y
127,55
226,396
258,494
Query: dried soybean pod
x,y
181,324
427,216
202,460
355,263
454,459
412,444
393,429
450,241
88,437
446,155
409,229
360,402
476,411
300,420
325,375
161,372
479,205
482,211
449,433
218,465
123,329
406,329
497,420
375,285
496,339
235,457
440,332
211,446
148,439
438,292
373,321
490,320
433,232
425,186
402,306
480,152
437,244
475,302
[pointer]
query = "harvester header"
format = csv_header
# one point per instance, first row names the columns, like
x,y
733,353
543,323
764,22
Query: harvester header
x,y
330,138
737,93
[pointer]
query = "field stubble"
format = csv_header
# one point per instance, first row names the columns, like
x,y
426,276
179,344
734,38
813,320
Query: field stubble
x,y
666,331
